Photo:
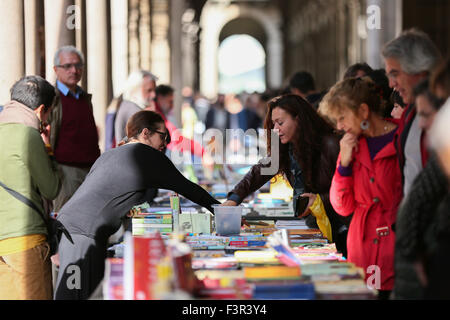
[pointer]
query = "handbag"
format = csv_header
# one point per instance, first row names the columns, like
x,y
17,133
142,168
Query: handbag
x,y
54,227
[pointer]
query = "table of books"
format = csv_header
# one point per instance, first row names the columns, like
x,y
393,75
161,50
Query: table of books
x,y
271,258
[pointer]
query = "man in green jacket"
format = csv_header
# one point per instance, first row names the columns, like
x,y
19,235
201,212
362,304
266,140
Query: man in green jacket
x,y
27,168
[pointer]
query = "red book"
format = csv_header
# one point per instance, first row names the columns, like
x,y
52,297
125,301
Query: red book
x,y
148,251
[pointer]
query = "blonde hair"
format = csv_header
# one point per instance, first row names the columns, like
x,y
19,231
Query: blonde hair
x,y
351,93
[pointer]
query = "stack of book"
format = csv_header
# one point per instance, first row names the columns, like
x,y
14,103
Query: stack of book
x,y
146,223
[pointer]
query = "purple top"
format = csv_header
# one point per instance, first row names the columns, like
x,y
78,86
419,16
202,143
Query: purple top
x,y
374,144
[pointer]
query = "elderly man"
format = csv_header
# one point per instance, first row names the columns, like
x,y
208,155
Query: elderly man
x,y
74,135
410,58
138,94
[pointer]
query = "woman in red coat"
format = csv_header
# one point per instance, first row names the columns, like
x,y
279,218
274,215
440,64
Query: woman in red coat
x,y
367,181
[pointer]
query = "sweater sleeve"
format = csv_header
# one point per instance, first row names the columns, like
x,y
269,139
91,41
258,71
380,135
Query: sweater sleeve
x,y
341,193
42,169
168,177
251,182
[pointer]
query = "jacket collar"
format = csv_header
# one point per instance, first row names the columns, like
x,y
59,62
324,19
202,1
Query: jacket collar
x,y
389,150
15,112
65,90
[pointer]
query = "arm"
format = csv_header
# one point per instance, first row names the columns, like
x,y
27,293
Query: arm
x,y
341,193
42,169
166,176
252,181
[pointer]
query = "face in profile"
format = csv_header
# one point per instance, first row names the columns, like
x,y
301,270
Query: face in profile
x,y
397,111
401,81
425,112
156,139
148,90
347,121
284,124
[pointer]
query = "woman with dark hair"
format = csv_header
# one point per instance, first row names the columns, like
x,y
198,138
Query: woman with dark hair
x,y
399,106
307,157
118,180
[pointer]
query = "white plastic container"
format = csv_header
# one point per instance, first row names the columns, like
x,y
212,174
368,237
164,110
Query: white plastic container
x,y
227,219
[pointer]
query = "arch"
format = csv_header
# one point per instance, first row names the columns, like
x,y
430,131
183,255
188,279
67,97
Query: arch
x,y
214,18
242,64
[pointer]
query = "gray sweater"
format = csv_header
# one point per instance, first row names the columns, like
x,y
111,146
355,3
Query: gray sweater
x,y
119,180
126,110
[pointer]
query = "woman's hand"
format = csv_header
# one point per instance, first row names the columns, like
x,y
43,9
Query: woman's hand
x,y
312,197
229,203
348,143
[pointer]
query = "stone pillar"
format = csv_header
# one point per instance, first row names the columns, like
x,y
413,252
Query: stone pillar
x,y
59,30
341,45
119,40
145,37
212,20
80,36
99,64
189,46
389,28
160,51
12,56
34,19
177,8
133,35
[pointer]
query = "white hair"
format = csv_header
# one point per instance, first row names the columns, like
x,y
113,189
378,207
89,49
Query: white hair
x,y
414,50
440,130
67,49
133,85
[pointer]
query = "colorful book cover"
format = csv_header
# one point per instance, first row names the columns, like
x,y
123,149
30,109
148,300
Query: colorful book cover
x,y
142,255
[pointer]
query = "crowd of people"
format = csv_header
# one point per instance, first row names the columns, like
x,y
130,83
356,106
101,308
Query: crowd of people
x,y
368,160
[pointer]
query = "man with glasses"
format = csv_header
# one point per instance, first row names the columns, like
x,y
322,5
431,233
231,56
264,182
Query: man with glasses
x,y
409,59
74,136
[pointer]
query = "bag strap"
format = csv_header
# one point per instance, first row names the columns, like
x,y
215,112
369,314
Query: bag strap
x,y
31,204
23,199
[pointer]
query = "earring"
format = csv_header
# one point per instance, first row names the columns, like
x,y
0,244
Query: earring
x,y
365,125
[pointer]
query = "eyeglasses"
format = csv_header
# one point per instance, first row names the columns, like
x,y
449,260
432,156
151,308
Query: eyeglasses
x,y
69,66
164,135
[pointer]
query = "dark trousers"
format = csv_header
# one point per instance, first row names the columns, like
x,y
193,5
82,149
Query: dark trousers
x,y
82,267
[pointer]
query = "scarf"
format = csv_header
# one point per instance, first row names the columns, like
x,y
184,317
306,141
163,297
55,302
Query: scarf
x,y
15,112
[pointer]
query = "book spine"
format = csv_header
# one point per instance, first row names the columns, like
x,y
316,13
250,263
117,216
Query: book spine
x,y
175,206
162,221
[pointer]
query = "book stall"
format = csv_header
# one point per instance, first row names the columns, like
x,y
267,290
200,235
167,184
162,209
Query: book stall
x,y
176,250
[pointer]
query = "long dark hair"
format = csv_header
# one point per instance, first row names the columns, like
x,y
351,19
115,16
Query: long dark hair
x,y
307,142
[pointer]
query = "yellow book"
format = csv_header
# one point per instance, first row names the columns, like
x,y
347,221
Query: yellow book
x,y
272,272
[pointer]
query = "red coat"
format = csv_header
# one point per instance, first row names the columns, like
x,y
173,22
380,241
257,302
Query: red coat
x,y
372,193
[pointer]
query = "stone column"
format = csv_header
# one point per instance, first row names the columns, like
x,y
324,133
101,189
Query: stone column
x,y
145,37
60,17
119,40
99,64
80,35
160,51
177,8
34,19
12,56
133,35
